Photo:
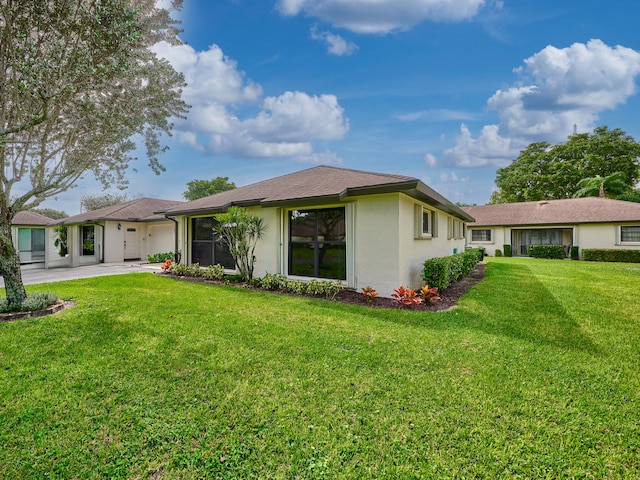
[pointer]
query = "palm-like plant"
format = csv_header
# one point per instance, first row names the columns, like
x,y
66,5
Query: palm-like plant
x,y
609,186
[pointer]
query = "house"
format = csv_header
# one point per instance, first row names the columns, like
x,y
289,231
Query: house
x,y
590,222
361,228
29,231
126,231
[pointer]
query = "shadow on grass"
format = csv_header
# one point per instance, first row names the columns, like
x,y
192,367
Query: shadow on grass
x,y
510,302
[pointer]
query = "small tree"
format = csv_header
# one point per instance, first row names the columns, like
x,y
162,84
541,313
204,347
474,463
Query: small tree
x,y
241,230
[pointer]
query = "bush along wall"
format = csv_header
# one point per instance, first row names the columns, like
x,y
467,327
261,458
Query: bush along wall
x,y
575,253
546,251
443,271
610,255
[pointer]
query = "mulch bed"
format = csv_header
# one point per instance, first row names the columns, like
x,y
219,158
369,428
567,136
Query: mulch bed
x,y
448,297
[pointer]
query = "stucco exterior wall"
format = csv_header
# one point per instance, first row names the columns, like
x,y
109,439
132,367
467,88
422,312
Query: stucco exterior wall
x,y
268,250
414,251
376,249
595,235
160,238
603,236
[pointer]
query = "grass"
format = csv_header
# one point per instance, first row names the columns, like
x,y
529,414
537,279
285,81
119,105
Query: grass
x,y
535,375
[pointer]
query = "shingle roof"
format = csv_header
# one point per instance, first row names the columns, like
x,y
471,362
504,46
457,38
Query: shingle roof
x,y
322,184
138,210
31,218
550,212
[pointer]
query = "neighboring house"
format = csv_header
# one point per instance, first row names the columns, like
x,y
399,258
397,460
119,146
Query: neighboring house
x,y
362,228
126,231
29,230
590,222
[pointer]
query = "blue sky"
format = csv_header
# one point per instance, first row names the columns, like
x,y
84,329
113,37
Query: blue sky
x,y
443,90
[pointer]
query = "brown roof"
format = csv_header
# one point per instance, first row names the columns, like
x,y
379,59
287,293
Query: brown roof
x,y
315,186
31,218
549,212
138,210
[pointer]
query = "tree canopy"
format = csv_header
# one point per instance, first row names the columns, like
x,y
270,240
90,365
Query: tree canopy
x,y
94,202
546,172
203,188
51,213
79,83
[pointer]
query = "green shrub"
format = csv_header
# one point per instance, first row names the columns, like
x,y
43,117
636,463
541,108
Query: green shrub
x,y
443,271
610,255
33,302
182,270
273,281
160,257
498,252
575,253
546,251
436,272
213,272
507,250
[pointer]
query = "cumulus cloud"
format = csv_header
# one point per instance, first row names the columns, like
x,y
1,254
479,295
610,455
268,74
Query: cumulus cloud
x,y
283,126
336,45
556,89
381,16
430,159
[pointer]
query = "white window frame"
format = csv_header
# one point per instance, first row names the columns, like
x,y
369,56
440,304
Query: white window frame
x,y
455,228
482,230
626,242
431,231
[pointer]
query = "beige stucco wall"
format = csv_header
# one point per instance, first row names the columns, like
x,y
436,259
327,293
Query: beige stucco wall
x,y
160,238
413,252
596,235
376,247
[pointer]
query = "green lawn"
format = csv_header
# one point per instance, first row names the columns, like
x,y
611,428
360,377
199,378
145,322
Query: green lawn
x,y
535,375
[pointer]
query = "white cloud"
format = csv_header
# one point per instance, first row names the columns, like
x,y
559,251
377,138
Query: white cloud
x,y
283,126
436,115
320,158
381,16
336,45
430,160
294,116
557,89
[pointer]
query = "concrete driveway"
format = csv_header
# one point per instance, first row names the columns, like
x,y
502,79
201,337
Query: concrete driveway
x,y
30,276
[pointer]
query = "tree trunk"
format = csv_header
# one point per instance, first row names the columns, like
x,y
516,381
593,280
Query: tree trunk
x,y
10,264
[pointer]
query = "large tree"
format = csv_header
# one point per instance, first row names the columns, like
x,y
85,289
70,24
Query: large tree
x,y
546,172
78,84
203,188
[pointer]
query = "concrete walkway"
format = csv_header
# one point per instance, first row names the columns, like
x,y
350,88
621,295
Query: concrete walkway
x,y
41,275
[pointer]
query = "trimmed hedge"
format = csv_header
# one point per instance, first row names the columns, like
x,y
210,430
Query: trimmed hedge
x,y
443,271
546,251
610,255
575,253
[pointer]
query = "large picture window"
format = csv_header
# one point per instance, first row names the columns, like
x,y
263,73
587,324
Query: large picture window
x,y
206,248
317,243
630,234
